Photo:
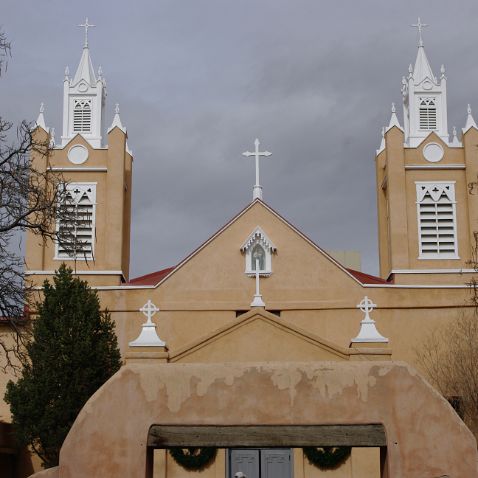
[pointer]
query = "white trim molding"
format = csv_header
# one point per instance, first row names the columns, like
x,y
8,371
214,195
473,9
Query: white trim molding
x,y
79,170
102,273
433,271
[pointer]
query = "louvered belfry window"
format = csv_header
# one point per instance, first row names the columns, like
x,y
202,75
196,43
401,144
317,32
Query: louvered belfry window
x,y
76,222
428,114
82,116
436,209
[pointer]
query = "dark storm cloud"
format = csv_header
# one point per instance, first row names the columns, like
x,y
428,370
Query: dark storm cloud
x,y
197,81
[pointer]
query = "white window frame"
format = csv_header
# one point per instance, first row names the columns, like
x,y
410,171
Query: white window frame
x,y
258,236
76,102
427,108
83,186
443,187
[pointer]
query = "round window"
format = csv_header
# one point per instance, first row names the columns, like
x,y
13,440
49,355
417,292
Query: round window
x,y
77,154
433,152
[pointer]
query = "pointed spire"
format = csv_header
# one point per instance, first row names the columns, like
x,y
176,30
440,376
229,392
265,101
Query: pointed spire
x,y
422,68
394,120
41,118
455,141
470,121
85,69
117,121
67,73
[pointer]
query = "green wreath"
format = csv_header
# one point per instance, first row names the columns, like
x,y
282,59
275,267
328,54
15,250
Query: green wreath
x,y
193,458
327,457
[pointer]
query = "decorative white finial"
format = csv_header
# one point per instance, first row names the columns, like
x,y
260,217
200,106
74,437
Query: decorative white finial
x,y
52,137
41,118
148,336
470,121
117,121
67,73
419,25
382,142
257,190
257,302
455,141
86,25
100,72
393,119
442,71
368,331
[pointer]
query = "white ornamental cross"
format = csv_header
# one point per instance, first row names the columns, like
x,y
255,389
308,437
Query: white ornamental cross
x,y
366,306
368,331
149,309
419,25
148,336
86,25
257,190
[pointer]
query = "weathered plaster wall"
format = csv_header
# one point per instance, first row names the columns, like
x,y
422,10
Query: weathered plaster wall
x,y
109,437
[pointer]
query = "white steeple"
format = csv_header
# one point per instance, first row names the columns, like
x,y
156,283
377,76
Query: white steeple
x,y
41,118
424,98
84,99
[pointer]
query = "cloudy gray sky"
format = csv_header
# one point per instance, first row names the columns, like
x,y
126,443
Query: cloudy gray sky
x,y
198,80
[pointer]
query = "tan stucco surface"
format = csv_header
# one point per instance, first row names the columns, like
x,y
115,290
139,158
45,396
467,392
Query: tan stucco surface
x,y
109,436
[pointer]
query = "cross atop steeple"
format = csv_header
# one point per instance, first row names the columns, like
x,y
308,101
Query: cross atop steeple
x,y
86,25
257,190
419,25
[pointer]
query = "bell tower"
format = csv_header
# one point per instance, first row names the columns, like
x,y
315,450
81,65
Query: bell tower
x,y
98,180
427,208
84,97
424,98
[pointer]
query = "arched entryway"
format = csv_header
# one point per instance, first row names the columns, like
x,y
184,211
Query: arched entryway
x,y
113,434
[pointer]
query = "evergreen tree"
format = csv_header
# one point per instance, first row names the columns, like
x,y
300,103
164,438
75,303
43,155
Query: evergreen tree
x,y
73,351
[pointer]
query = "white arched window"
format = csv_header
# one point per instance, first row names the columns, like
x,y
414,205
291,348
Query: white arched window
x,y
428,114
76,222
436,211
82,116
258,250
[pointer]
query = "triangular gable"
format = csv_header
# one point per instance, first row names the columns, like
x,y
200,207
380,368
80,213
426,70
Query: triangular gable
x,y
235,219
295,338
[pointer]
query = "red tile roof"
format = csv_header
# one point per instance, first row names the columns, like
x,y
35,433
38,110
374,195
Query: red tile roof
x,y
151,279
367,278
156,277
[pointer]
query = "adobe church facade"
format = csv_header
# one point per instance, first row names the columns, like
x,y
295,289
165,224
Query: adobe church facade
x,y
260,326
